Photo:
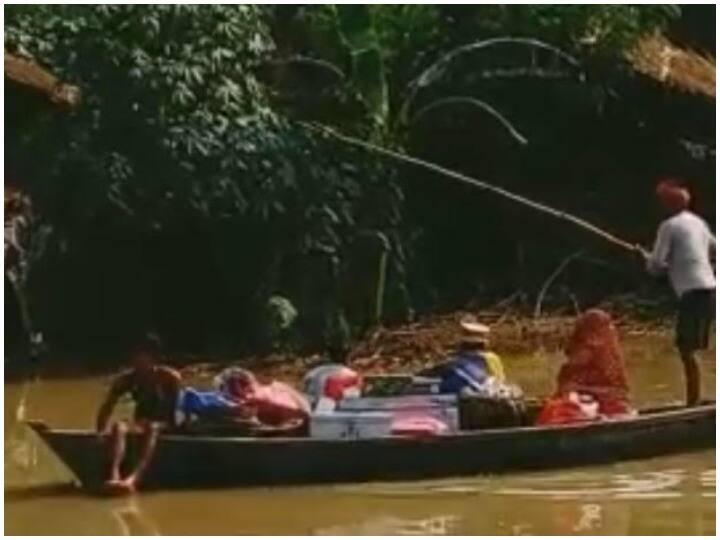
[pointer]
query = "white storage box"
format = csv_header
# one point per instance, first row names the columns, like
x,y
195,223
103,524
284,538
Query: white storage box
x,y
350,425
441,406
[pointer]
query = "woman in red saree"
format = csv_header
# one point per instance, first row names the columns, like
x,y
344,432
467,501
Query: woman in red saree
x,y
594,371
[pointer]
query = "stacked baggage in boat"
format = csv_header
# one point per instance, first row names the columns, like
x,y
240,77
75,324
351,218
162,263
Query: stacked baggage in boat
x,y
381,406
401,404
428,414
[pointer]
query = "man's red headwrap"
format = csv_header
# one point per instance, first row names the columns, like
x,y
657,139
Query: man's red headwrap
x,y
673,196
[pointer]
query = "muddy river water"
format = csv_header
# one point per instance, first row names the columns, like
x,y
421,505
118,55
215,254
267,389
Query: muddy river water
x,y
664,496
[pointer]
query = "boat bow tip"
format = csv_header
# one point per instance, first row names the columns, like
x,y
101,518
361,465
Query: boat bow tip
x,y
38,426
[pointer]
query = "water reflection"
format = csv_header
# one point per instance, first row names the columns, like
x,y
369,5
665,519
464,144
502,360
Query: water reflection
x,y
20,448
590,519
132,520
646,485
668,495
30,493
394,526
599,502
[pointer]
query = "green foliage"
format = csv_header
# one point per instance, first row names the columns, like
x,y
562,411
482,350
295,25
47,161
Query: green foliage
x,y
176,141
174,118
383,48
169,111
180,192
590,28
356,25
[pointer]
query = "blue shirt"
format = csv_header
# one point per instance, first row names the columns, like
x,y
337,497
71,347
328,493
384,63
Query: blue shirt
x,y
464,369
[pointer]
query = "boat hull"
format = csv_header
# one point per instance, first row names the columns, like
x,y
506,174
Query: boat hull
x,y
185,461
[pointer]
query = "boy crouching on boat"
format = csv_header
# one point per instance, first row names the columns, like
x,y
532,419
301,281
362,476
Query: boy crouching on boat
x,y
154,389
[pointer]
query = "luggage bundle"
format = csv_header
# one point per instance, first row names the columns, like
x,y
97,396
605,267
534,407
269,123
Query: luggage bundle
x,y
492,404
377,406
482,412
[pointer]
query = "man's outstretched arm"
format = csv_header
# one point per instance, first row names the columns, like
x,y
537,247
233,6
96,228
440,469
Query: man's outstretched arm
x,y
657,260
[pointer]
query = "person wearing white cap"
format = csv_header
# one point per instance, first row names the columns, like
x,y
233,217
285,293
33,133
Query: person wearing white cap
x,y
472,363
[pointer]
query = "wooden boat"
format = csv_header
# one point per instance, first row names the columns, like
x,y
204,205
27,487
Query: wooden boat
x,y
186,461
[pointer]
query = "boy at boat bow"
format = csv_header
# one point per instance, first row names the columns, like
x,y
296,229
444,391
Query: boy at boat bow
x,y
154,390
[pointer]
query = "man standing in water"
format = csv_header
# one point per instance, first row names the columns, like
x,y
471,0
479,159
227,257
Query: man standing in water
x,y
683,249
154,390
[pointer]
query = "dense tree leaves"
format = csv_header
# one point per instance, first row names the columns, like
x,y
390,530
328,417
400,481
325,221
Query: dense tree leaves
x,y
410,38
176,139
183,195
166,102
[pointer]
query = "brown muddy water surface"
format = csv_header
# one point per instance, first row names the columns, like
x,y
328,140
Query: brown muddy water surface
x,y
672,495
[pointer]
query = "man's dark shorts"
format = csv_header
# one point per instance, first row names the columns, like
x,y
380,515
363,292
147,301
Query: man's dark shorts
x,y
695,317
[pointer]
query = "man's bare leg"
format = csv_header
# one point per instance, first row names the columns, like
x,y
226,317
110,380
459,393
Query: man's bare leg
x,y
150,432
692,377
118,437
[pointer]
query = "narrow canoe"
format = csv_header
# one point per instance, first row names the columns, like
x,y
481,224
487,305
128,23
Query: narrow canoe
x,y
199,461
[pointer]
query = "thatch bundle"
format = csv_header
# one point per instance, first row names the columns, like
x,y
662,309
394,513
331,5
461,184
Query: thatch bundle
x,y
26,73
684,69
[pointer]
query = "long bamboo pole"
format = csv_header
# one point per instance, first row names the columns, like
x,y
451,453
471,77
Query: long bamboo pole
x,y
559,214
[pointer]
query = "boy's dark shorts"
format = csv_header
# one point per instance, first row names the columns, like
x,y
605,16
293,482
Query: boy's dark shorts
x,y
695,317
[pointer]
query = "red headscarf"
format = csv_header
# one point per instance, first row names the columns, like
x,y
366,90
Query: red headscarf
x,y
595,364
673,196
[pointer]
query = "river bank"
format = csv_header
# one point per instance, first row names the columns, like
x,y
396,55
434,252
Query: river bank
x,y
417,345
400,348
